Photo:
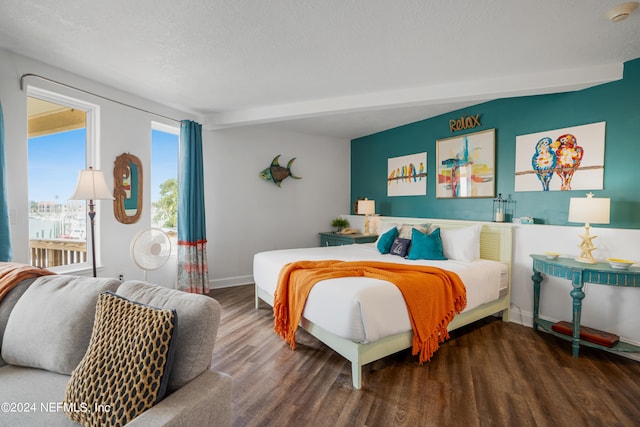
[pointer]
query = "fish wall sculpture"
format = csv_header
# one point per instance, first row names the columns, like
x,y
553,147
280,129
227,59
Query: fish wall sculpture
x,y
276,173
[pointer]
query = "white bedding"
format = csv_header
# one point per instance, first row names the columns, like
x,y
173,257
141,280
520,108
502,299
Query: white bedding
x,y
365,310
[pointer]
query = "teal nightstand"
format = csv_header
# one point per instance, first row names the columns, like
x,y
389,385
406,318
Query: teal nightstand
x,y
335,239
579,274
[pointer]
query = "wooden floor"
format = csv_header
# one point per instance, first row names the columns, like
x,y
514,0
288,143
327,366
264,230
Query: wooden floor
x,y
488,374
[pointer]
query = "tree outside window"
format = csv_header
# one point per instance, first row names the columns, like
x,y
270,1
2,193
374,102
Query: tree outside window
x,y
164,177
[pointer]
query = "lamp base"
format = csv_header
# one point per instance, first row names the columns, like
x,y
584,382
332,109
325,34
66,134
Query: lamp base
x,y
587,246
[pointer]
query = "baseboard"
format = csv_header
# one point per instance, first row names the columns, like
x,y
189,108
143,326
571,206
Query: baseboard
x,y
520,317
228,282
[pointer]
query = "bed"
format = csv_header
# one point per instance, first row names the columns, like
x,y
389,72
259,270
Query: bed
x,y
350,321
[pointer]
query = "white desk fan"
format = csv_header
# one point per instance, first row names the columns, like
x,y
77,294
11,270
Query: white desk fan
x,y
150,249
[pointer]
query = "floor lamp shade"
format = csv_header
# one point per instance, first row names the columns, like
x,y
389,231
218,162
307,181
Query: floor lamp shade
x,y
91,186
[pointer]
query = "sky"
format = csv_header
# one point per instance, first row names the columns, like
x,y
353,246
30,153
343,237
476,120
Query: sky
x,y
164,160
55,160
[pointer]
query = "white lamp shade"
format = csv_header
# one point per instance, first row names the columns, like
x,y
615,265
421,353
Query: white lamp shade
x,y
366,207
589,210
91,186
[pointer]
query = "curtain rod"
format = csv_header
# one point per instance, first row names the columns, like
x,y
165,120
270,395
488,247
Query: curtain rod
x,y
93,94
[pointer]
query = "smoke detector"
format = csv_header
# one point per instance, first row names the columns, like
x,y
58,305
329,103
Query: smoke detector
x,y
621,11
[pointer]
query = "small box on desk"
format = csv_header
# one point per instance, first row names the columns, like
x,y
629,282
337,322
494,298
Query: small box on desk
x,y
595,336
524,220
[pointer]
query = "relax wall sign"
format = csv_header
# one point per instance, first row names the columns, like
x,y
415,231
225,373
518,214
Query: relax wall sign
x,y
464,122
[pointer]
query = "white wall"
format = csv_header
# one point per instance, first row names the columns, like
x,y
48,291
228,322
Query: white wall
x,y
244,213
121,129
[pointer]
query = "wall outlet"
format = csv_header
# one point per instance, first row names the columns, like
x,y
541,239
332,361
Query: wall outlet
x,y
121,277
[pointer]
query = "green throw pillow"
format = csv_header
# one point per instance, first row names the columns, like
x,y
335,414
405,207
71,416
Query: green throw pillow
x,y
126,367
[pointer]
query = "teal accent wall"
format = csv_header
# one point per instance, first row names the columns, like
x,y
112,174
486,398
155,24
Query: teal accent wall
x,y
616,103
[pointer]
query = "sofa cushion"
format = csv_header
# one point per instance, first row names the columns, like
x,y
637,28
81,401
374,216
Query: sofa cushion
x,y
6,306
196,331
126,365
39,393
50,325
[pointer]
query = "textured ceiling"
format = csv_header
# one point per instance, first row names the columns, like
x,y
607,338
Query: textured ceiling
x,y
341,68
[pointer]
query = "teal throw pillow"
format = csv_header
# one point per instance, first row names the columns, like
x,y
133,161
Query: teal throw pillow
x,y
386,240
426,246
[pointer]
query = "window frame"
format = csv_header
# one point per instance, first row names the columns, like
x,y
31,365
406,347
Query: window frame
x,y
92,145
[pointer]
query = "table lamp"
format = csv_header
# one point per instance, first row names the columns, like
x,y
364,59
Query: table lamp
x,y
91,186
366,207
589,210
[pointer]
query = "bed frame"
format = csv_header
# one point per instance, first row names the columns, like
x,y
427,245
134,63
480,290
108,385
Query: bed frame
x,y
495,244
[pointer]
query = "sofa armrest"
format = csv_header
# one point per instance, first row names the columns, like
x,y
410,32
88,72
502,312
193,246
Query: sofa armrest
x,y
203,401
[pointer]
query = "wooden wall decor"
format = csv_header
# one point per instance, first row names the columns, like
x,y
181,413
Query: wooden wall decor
x,y
464,122
127,188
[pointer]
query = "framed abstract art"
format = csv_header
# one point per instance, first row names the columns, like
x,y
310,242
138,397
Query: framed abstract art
x,y
466,165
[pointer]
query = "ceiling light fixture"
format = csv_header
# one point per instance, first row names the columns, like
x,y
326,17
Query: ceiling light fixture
x,y
621,12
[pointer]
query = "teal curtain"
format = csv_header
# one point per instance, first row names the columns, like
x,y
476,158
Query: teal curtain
x,y
193,272
6,253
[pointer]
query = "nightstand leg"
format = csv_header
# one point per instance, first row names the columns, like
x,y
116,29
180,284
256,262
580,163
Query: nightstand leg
x,y
578,295
537,278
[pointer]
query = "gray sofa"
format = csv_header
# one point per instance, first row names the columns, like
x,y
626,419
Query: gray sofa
x,y
45,329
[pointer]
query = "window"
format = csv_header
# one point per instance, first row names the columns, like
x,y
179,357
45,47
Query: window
x,y
164,177
59,144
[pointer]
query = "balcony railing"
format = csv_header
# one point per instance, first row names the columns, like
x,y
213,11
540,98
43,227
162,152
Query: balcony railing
x,y
52,253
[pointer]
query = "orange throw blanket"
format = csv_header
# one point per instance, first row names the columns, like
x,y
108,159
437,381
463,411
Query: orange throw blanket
x,y
433,296
12,273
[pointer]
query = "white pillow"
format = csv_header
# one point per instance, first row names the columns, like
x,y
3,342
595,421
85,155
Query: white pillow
x,y
383,230
461,244
404,230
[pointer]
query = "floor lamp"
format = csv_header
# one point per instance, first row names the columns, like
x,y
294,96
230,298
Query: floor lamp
x,y
92,186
